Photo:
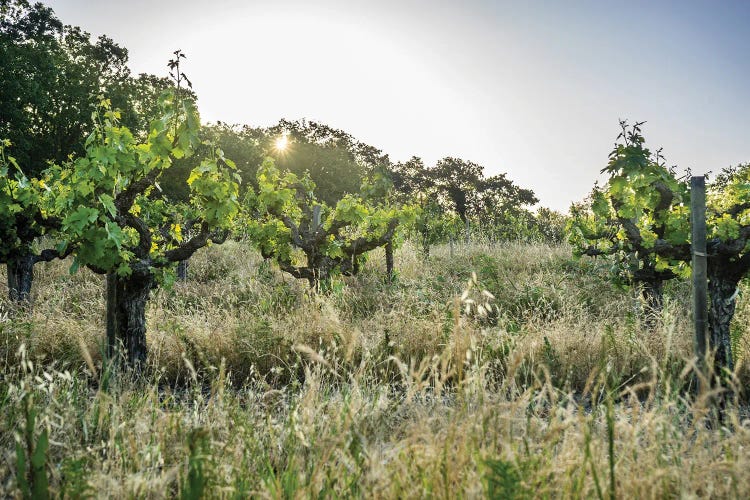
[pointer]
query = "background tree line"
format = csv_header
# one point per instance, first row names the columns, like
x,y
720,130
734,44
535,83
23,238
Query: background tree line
x,y
52,74
118,171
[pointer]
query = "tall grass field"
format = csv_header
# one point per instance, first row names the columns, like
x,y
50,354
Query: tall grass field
x,y
500,371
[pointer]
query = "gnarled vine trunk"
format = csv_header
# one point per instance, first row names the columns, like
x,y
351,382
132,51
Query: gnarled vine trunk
x,y
20,277
321,267
182,270
721,290
126,315
389,261
653,296
652,291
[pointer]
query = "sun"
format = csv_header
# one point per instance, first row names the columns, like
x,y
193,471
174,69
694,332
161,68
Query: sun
x,y
282,143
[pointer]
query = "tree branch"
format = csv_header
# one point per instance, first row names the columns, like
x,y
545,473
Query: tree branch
x,y
187,249
51,254
634,234
219,236
665,196
731,247
296,238
663,248
125,199
592,251
363,244
144,234
737,209
298,272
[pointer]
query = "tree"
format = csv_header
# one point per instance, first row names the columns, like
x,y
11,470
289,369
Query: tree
x,y
286,217
336,162
28,42
21,222
114,225
414,183
459,182
49,74
30,54
640,212
641,216
472,194
456,186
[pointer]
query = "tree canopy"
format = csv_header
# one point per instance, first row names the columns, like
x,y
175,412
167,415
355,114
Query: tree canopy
x,y
51,76
641,217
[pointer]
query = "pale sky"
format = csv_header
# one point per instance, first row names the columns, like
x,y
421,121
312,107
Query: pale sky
x,y
534,89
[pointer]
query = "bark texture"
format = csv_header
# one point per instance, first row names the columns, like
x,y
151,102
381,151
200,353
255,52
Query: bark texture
x,y
126,315
182,270
389,261
721,291
20,277
319,268
20,270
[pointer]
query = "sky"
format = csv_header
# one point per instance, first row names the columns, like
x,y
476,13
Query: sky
x,y
529,88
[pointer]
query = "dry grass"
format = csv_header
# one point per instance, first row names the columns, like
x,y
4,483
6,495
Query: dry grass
x,y
258,388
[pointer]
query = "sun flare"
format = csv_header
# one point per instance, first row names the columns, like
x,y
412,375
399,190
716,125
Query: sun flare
x,y
282,143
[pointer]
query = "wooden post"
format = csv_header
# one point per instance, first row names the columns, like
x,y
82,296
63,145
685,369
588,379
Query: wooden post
x,y
468,231
700,281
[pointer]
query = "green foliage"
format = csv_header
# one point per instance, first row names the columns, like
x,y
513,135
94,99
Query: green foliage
x,y
105,201
728,206
550,224
641,207
521,225
414,183
503,480
195,483
14,202
466,190
22,217
50,73
244,145
456,191
434,225
281,222
334,160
